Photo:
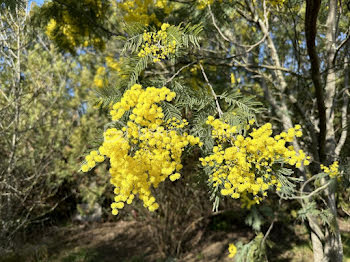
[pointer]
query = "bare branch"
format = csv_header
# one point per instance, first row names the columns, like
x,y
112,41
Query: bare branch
x,y
212,91
178,72
215,25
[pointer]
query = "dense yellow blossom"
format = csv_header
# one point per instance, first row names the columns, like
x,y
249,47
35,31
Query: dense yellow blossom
x,y
142,11
161,3
137,11
70,31
332,170
233,79
144,152
157,44
232,249
244,166
115,65
276,2
204,3
99,78
51,26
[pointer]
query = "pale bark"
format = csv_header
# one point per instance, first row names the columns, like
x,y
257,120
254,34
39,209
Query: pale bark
x,y
317,248
333,247
331,76
344,109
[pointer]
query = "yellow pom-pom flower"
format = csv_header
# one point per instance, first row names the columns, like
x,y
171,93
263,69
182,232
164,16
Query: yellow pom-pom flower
x,y
158,45
146,151
332,170
232,249
243,166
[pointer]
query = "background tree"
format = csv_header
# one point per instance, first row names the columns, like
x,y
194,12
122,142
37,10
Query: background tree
x,y
43,125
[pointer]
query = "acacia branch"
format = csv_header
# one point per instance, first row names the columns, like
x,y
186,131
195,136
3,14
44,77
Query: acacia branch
x,y
178,72
212,91
324,187
216,26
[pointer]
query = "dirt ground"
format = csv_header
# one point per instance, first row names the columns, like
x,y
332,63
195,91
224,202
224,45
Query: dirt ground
x,y
132,241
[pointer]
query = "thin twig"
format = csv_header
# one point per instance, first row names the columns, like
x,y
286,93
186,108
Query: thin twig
x,y
178,72
267,233
212,91
311,194
216,26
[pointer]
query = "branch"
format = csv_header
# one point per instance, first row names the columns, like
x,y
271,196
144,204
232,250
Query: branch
x,y
342,43
212,91
245,15
315,227
267,232
311,194
178,72
217,28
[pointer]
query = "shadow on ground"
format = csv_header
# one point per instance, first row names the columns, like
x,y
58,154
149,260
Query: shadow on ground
x,y
131,241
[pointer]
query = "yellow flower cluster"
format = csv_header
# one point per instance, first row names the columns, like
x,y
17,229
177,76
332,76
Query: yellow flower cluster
x,y
137,11
232,249
233,79
157,44
142,10
51,26
114,64
276,2
91,160
99,78
69,31
244,166
201,4
161,4
332,170
146,151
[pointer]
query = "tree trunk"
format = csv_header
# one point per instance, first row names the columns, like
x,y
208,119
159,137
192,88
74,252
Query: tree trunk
x,y
332,249
317,248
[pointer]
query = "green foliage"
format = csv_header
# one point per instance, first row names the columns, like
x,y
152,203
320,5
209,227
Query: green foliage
x,y
171,111
45,126
182,36
71,24
255,250
81,255
134,37
12,4
244,106
258,216
288,182
254,219
310,209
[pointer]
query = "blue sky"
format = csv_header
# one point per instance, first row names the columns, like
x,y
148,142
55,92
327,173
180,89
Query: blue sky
x,y
38,1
